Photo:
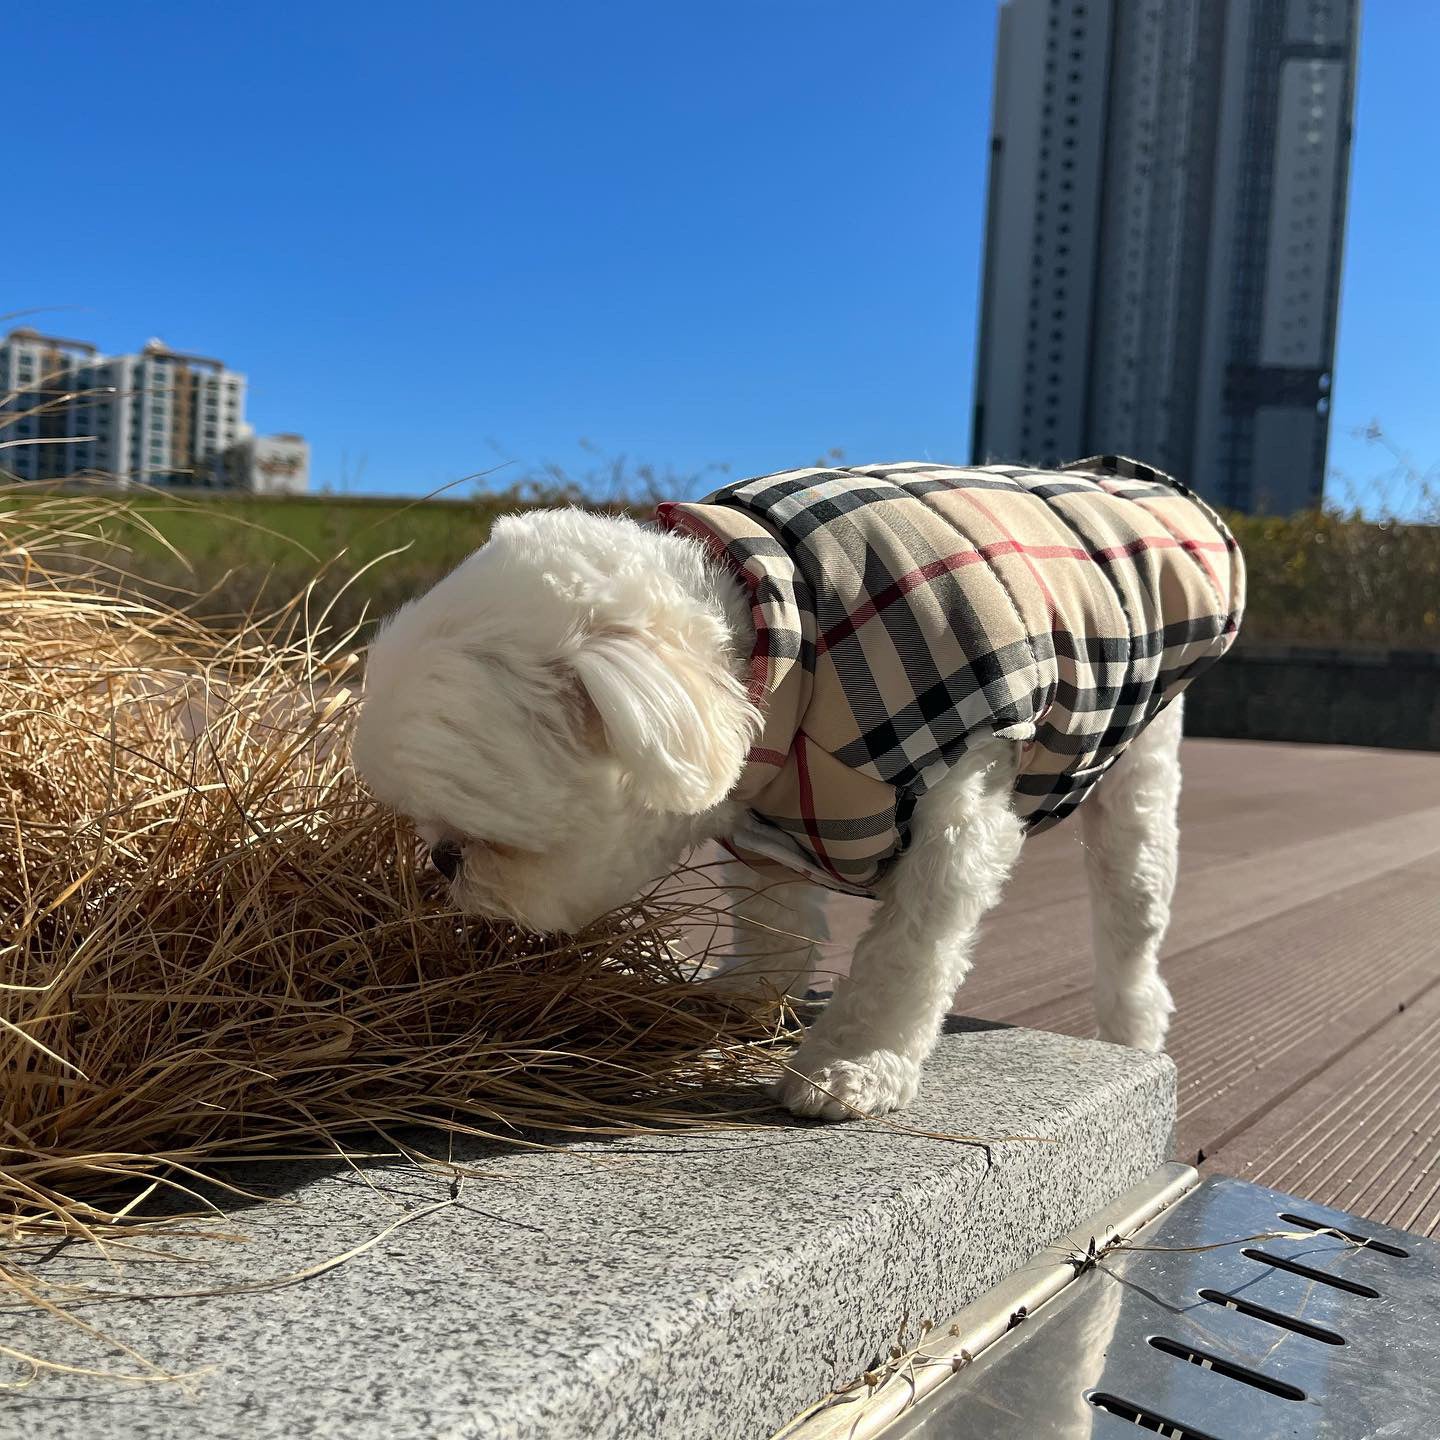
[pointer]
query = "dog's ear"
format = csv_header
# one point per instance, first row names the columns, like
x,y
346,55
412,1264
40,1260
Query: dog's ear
x,y
673,715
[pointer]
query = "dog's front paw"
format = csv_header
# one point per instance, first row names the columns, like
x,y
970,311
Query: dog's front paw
x,y
1139,1018
849,1087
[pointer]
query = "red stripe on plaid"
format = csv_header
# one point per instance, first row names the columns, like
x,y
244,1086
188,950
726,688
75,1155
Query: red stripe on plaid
x,y
1195,548
757,756
893,592
950,563
1156,542
807,806
1050,605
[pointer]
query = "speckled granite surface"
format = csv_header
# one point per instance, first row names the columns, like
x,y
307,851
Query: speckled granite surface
x,y
676,1287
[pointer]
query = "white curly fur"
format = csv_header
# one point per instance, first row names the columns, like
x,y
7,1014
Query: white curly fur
x,y
566,710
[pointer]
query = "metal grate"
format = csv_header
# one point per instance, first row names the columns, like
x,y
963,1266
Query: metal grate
x,y
1240,1314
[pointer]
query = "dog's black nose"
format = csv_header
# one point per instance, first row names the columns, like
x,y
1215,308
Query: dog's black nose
x,y
446,859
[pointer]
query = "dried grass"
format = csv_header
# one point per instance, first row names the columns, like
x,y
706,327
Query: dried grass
x,y
214,946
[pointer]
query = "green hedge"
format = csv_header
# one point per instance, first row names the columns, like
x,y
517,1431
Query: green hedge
x,y
1317,579
1340,581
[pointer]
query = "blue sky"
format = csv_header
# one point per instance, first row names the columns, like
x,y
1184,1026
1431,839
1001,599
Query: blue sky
x,y
440,235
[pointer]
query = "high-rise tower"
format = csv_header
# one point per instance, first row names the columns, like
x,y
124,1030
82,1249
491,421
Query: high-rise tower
x,y
1163,242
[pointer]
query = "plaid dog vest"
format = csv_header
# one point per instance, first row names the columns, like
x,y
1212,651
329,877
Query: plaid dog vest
x,y
904,612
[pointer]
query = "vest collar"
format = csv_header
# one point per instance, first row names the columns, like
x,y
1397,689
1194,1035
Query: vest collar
x,y
779,674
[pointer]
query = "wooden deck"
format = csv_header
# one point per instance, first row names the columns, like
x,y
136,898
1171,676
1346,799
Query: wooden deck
x,y
1305,961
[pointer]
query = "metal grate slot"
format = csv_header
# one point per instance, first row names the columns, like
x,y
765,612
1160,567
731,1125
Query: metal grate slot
x,y
1145,1419
1368,1241
1273,1317
1307,1272
1121,1348
1231,1371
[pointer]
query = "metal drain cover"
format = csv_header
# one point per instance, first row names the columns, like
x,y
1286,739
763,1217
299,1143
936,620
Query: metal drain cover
x,y
1205,1333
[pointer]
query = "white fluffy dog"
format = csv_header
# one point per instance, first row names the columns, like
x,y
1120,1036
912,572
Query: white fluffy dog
x,y
565,715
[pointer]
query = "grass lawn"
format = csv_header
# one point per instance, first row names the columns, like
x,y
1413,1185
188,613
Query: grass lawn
x,y
1316,578
216,532
238,547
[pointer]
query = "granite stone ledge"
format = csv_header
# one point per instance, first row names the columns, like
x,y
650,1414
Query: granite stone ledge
x,y
707,1288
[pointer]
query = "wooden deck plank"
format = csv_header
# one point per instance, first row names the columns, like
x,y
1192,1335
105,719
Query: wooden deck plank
x,y
1289,792
1262,1008
1036,945
1364,1134
1307,915
1037,955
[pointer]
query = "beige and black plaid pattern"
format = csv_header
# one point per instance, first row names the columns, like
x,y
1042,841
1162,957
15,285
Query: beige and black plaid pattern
x,y
903,612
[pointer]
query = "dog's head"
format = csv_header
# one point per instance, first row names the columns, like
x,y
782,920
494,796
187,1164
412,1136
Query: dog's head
x,y
557,716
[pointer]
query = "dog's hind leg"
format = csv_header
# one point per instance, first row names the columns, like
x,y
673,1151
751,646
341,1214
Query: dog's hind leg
x,y
863,1055
779,927
1131,834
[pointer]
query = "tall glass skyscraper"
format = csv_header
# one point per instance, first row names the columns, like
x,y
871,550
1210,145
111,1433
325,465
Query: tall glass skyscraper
x,y
1166,215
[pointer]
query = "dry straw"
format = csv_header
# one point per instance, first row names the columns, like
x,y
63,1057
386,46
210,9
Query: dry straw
x,y
214,946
